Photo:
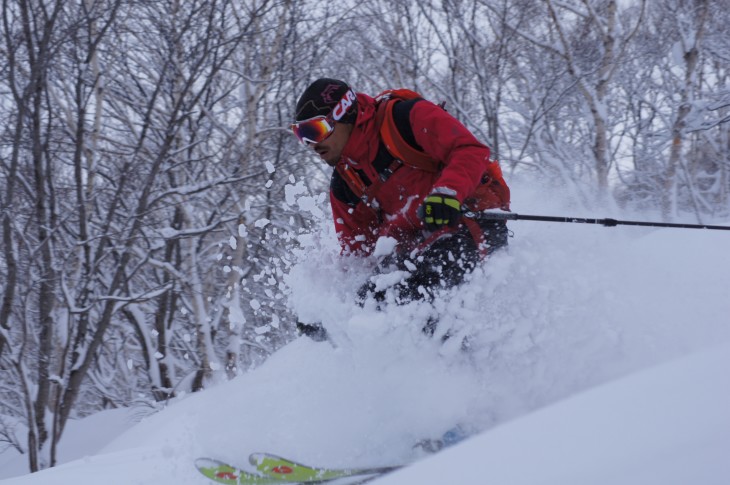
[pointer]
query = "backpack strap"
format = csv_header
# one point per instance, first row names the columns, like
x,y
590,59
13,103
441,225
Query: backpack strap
x,y
396,144
491,193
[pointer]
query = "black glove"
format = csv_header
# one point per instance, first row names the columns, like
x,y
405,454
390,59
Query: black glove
x,y
439,210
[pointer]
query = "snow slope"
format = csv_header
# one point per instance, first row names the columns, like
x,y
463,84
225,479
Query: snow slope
x,y
667,425
568,307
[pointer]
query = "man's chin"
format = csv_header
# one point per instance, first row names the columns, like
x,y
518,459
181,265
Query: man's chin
x,y
329,160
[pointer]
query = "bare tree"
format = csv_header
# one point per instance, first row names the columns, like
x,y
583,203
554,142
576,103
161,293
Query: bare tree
x,y
30,216
677,106
692,20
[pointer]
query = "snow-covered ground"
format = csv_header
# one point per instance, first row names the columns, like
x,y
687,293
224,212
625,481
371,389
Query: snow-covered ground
x,y
668,425
555,324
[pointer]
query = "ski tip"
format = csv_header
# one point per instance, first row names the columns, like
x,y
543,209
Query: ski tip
x,y
217,470
257,458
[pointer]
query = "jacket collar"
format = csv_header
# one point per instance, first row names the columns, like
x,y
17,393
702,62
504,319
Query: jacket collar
x,y
362,146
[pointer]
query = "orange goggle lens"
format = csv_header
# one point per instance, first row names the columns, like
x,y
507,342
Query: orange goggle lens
x,y
313,130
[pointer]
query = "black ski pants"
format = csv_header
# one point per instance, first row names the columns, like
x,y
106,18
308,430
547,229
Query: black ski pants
x,y
442,264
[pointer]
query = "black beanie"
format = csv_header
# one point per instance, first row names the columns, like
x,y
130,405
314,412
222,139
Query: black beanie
x,y
320,97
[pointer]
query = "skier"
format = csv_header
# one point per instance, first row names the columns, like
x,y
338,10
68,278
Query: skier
x,y
406,173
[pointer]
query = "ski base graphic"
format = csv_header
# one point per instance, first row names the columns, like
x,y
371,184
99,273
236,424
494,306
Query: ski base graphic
x,y
275,470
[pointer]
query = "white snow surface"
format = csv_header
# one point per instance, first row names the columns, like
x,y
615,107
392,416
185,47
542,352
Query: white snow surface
x,y
597,355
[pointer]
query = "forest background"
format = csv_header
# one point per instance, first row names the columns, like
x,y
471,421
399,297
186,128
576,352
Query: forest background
x,y
147,170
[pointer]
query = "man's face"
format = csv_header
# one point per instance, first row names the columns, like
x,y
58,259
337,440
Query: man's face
x,y
330,150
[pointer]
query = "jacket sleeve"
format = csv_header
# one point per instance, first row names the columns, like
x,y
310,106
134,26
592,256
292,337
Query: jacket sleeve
x,y
443,137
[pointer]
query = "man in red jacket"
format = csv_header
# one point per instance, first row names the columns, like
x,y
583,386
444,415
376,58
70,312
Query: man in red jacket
x,y
425,215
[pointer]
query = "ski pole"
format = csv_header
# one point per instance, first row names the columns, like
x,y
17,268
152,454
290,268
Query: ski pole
x,y
608,222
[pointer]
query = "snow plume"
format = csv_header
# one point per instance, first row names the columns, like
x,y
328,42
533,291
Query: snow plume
x,y
564,308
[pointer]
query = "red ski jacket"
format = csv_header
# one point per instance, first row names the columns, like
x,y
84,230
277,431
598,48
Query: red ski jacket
x,y
464,161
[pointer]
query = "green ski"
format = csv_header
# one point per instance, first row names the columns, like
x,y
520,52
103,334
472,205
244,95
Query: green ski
x,y
229,475
288,471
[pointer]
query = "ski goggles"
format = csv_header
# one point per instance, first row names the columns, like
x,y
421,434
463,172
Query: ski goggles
x,y
314,130
317,129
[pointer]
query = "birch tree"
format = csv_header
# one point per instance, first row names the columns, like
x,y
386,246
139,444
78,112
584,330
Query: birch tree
x,y
678,105
592,49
